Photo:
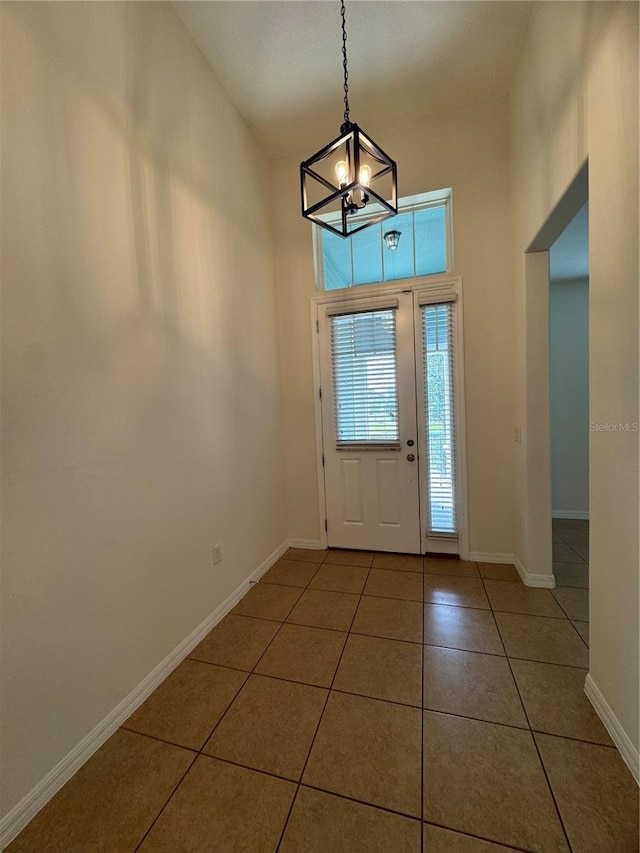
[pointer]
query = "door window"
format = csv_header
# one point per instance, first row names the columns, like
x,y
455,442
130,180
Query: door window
x,y
365,377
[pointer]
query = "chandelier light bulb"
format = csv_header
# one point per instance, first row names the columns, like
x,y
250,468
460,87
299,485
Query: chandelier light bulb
x,y
342,172
365,176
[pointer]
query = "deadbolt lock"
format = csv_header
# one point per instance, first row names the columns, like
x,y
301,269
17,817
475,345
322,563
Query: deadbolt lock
x,y
410,457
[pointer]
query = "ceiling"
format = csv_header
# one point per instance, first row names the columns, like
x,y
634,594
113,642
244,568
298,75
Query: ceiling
x,y
281,60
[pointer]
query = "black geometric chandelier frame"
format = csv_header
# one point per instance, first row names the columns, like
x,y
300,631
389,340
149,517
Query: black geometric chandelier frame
x,y
358,163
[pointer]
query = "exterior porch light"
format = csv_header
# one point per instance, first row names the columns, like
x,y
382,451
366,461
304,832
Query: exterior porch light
x,y
392,238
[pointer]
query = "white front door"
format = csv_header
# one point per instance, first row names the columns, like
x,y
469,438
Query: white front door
x,y
368,387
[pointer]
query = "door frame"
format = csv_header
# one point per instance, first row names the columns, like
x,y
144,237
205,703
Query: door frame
x,y
444,285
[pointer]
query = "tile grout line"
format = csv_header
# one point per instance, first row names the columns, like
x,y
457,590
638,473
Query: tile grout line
x,y
422,600
524,709
569,619
206,740
166,803
350,799
374,699
329,690
315,734
580,635
480,838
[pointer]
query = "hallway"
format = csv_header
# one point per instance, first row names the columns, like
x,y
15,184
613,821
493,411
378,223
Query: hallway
x,y
363,702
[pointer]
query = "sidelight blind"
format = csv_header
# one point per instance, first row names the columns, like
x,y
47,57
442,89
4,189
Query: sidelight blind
x,y
365,377
438,376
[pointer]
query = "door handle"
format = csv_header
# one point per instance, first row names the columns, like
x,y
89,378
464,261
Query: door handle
x,y
410,457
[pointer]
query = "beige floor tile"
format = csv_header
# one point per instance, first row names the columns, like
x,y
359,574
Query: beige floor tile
x,y
555,701
382,669
324,823
539,638
575,538
350,558
487,780
581,549
563,553
400,562
440,840
582,628
224,808
290,573
571,574
596,795
270,726
579,541
309,655
461,592
471,685
340,578
319,609
451,567
368,750
236,641
518,598
393,583
499,572
391,618
109,804
268,601
187,705
306,554
574,602
461,628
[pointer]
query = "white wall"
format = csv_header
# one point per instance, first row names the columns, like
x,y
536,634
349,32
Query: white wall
x,y
141,418
576,97
569,395
467,151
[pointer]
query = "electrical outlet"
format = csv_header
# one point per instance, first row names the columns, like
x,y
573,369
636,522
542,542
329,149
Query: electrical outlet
x,y
517,434
217,554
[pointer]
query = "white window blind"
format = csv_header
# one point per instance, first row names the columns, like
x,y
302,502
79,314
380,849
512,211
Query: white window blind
x,y
365,377
439,354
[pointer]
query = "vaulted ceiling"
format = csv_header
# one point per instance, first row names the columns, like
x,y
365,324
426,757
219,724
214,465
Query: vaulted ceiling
x,y
281,60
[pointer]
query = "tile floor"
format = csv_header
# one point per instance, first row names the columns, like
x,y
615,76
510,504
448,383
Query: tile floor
x,y
366,703
571,570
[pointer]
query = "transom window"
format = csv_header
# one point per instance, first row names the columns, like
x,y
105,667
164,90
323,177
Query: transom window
x,y
424,246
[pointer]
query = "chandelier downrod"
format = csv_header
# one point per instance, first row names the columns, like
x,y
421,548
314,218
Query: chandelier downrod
x,y
344,63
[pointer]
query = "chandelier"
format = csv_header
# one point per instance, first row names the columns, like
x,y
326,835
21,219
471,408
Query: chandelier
x,y
349,174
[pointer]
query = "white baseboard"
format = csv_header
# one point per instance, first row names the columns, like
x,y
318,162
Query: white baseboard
x,y
486,557
531,579
570,513
15,821
311,544
611,723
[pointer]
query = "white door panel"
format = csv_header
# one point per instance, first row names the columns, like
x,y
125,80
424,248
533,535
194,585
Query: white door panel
x,y
367,367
